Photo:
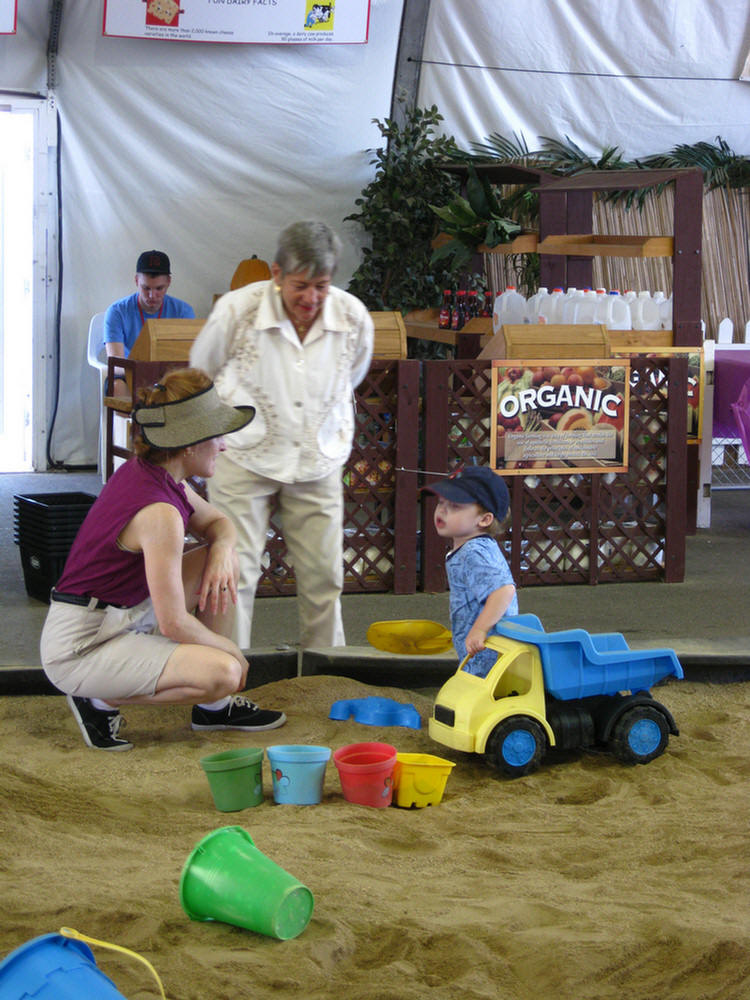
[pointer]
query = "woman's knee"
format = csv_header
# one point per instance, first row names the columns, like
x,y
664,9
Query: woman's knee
x,y
226,675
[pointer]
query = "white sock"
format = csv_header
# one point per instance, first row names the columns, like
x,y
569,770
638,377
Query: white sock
x,y
102,705
215,706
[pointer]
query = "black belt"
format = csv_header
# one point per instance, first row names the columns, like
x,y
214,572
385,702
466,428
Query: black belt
x,y
80,599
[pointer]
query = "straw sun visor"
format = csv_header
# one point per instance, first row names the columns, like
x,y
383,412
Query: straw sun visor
x,y
183,422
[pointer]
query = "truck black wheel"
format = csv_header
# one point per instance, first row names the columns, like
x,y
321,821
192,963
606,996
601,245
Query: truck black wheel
x,y
516,746
639,735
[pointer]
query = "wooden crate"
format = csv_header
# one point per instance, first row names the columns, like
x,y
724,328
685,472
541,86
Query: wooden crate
x,y
166,339
548,340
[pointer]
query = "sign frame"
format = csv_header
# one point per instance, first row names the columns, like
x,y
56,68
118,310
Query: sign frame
x,y
8,17
274,22
569,398
696,382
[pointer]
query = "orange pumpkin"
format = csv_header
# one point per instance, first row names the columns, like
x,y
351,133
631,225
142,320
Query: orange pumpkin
x,y
250,270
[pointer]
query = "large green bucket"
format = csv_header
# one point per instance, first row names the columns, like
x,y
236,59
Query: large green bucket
x,y
227,878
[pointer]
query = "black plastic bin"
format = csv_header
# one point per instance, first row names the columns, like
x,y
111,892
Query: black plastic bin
x,y
45,526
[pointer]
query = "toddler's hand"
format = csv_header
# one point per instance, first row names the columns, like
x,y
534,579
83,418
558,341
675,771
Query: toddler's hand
x,y
475,640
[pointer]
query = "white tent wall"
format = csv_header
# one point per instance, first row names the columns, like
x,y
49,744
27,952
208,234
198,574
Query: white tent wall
x,y
203,150
483,72
207,150
23,56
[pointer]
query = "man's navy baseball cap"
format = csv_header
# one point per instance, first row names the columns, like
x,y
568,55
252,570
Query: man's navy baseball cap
x,y
475,484
153,262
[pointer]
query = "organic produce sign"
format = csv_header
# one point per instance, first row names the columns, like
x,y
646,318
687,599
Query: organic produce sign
x,y
696,377
552,417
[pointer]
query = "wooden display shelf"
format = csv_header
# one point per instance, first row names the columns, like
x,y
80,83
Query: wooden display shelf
x,y
592,245
422,324
523,243
651,340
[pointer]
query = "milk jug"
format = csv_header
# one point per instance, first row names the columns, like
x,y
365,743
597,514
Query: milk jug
x,y
665,313
586,309
618,312
533,305
570,305
510,308
550,308
644,312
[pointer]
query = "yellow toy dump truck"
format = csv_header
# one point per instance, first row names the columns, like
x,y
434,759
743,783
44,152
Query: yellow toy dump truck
x,y
556,689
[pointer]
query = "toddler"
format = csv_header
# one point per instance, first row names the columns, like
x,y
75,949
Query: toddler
x,y
471,507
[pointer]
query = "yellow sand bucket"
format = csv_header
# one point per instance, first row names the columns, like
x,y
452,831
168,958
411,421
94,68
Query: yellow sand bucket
x,y
419,779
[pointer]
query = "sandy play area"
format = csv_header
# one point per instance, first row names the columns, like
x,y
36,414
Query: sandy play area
x,y
588,880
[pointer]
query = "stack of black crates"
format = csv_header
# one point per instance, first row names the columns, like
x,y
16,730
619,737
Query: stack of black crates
x,y
45,525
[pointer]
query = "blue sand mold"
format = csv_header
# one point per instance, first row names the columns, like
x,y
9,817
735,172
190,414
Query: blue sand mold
x,y
376,712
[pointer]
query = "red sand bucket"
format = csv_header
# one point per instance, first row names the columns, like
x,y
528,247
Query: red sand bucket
x,y
366,773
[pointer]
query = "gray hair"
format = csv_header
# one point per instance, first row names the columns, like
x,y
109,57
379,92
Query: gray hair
x,y
309,247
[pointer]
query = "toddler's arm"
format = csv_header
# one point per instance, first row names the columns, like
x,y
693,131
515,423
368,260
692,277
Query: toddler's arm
x,y
494,608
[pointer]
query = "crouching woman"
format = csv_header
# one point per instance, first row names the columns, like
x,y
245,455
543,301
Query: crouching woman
x,y
135,618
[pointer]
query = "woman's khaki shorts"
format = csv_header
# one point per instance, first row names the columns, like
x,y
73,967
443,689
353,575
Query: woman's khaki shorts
x,y
116,653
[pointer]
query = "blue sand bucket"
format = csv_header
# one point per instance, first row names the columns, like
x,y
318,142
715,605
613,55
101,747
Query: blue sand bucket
x,y
298,773
53,967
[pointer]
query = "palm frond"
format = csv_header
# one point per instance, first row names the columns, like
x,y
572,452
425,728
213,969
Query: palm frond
x,y
499,147
717,161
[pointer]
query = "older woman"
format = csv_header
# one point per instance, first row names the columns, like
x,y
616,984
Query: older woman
x,y
295,348
121,628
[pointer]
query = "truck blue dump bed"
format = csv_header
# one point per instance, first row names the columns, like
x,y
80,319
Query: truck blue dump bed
x,y
577,664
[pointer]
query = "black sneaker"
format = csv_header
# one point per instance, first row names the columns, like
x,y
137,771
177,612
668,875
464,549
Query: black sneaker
x,y
99,726
240,713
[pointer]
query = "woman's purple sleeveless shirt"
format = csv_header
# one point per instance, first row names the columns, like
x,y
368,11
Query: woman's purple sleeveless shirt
x,y
96,566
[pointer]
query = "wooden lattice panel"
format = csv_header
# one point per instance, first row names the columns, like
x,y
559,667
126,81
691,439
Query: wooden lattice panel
x,y
369,486
575,528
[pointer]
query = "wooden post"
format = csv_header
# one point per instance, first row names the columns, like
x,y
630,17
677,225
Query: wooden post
x,y
435,417
677,472
407,457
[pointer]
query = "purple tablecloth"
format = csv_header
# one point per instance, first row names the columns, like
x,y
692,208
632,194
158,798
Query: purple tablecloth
x,y
731,371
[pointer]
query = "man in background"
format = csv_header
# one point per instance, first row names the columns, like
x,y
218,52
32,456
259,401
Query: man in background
x,y
124,319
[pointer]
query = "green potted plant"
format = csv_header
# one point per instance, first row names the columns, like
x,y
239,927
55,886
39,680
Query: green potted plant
x,y
395,211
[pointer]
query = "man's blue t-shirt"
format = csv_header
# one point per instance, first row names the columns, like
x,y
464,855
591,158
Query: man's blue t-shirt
x,y
124,319
474,570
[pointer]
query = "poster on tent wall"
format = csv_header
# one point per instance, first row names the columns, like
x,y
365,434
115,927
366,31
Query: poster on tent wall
x,y
553,416
281,22
8,10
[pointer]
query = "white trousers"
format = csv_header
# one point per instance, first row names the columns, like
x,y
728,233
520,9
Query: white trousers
x,y
311,521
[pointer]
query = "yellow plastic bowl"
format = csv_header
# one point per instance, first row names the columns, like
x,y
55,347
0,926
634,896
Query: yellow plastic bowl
x,y
410,636
419,779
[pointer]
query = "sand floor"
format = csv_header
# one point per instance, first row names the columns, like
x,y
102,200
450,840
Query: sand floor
x,y
588,880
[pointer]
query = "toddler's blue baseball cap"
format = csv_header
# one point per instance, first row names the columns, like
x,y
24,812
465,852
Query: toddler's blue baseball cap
x,y
475,484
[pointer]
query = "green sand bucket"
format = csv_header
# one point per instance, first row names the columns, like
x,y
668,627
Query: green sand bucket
x,y
227,878
235,777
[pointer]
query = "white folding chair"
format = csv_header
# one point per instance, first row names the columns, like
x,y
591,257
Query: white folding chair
x,y
96,356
